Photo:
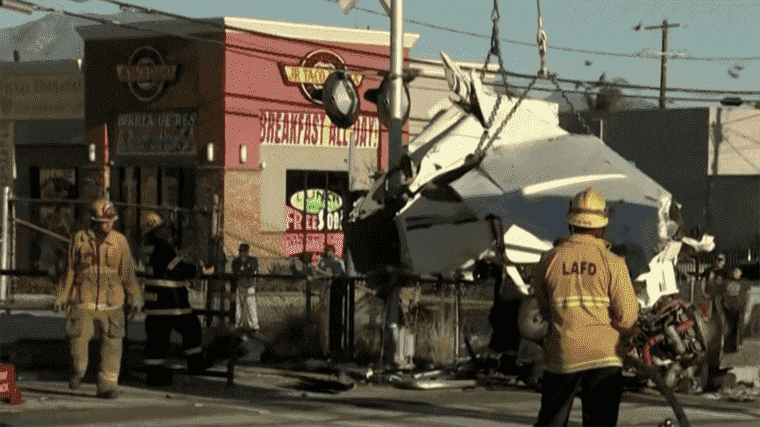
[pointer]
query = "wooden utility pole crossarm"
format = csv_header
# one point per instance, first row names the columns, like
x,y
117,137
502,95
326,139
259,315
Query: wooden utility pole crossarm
x,y
664,68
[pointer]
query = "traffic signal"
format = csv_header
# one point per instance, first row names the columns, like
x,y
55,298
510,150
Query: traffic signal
x,y
382,98
341,99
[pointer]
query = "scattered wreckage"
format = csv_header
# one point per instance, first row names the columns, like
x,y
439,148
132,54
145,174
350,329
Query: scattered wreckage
x,y
485,188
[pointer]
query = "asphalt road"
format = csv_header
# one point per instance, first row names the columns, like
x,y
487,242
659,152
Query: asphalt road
x,y
265,396
272,397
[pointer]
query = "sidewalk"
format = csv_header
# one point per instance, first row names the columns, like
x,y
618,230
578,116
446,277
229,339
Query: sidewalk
x,y
265,395
271,397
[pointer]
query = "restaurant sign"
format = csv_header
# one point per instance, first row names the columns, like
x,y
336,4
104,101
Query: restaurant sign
x,y
314,70
167,133
309,129
146,73
52,96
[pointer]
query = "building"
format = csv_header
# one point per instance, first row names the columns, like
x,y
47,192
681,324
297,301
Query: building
x,y
230,110
42,117
708,158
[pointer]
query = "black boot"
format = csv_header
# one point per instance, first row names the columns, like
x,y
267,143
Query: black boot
x,y
197,364
158,376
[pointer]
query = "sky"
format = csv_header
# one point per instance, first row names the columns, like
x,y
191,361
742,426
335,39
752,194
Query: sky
x,y
723,28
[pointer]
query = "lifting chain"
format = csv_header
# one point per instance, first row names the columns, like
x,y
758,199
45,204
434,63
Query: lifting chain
x,y
481,149
541,40
495,48
577,114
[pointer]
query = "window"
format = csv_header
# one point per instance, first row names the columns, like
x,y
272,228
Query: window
x,y
314,209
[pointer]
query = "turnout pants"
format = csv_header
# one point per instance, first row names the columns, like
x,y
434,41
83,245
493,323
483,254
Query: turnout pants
x,y
158,329
81,326
599,389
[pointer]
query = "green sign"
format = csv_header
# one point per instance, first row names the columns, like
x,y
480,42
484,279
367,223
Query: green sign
x,y
314,200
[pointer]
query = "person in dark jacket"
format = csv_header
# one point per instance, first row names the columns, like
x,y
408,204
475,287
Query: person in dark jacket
x,y
167,306
734,301
245,268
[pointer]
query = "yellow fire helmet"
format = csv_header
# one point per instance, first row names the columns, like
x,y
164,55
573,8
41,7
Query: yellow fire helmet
x,y
103,210
588,210
151,221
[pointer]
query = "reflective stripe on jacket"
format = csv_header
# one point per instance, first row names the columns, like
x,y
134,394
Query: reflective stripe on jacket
x,y
100,276
166,297
586,292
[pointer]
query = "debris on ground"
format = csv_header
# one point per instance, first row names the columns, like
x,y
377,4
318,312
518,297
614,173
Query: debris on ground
x,y
321,383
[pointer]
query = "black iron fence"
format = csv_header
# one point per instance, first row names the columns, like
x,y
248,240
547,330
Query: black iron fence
x,y
327,318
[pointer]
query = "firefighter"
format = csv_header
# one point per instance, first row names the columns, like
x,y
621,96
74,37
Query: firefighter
x,y
167,306
100,277
585,292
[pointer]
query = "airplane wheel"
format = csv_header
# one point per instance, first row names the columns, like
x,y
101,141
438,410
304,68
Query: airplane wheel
x,y
531,323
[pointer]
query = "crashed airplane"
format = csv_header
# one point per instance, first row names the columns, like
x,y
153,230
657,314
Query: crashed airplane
x,y
476,189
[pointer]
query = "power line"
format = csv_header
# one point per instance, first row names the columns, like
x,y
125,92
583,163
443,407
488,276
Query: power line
x,y
247,49
596,83
670,98
499,86
149,10
242,49
223,27
564,49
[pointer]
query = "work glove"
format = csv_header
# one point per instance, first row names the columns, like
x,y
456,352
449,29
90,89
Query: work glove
x,y
135,307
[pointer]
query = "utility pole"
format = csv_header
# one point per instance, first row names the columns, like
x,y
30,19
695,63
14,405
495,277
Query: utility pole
x,y
664,67
396,87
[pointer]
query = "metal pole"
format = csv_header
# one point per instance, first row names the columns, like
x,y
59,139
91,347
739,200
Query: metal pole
x,y
14,235
351,315
457,302
5,246
396,83
664,62
664,69
692,279
351,161
308,299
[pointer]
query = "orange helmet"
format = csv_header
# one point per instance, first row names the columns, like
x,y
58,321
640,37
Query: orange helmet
x,y
103,210
588,210
151,221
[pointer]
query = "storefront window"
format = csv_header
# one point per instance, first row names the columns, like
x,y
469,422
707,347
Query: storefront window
x,y
314,206
161,189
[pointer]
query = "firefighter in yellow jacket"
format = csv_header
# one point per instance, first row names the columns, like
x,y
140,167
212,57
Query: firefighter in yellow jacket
x,y
585,292
100,280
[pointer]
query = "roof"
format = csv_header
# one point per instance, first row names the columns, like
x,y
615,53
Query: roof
x,y
235,24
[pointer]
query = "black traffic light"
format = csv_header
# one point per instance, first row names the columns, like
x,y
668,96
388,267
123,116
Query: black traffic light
x,y
382,98
341,99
